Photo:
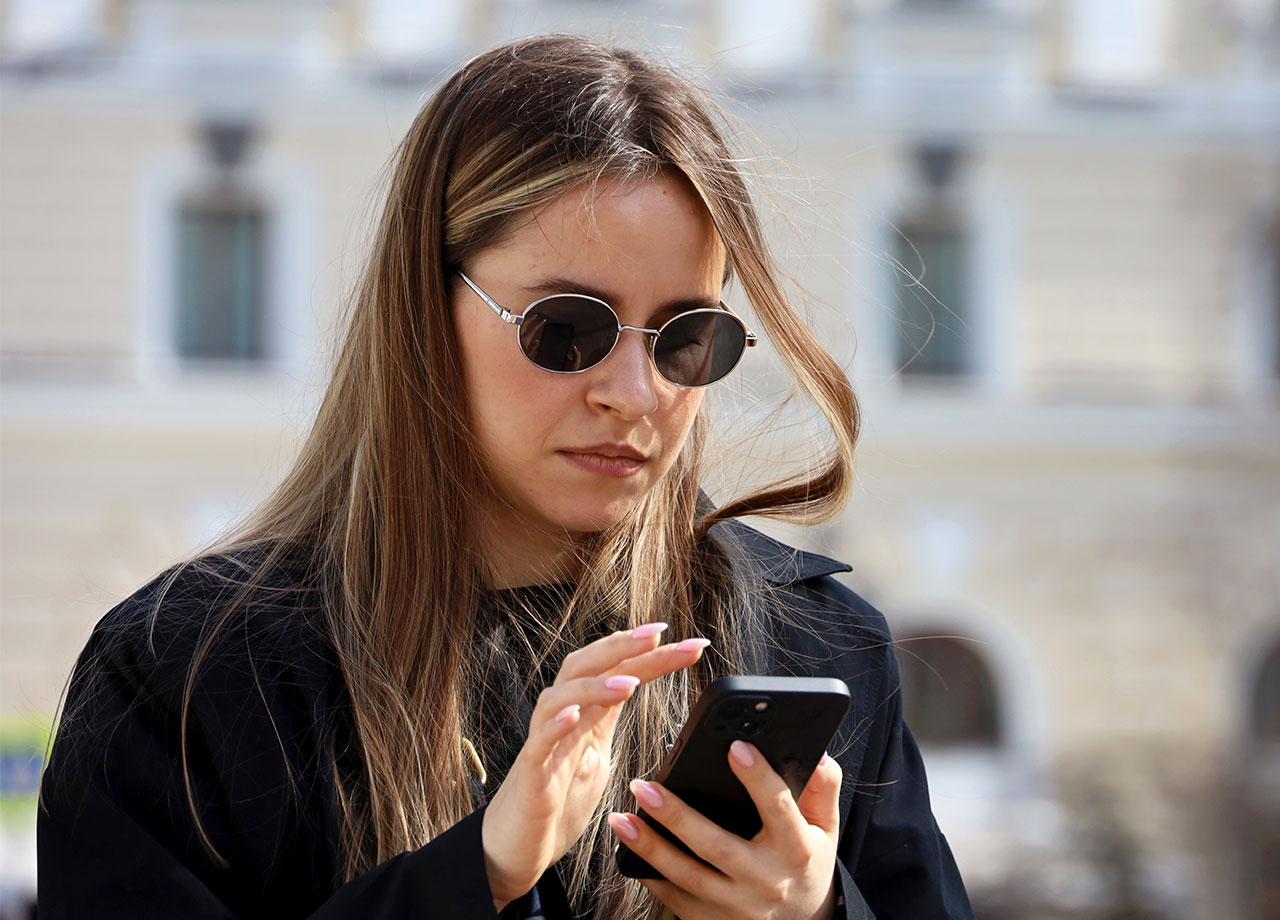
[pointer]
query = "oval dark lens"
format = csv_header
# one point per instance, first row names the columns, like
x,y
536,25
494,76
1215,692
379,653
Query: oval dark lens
x,y
699,347
568,333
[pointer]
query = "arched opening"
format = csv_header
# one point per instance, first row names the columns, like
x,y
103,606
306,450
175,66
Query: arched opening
x,y
1260,815
949,693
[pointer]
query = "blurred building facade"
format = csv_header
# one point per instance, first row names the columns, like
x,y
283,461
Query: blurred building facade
x,y
1043,234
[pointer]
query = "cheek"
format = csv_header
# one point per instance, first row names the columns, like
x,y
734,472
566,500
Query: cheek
x,y
495,373
679,416
511,405
516,411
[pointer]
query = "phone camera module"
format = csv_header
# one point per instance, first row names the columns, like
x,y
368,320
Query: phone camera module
x,y
742,717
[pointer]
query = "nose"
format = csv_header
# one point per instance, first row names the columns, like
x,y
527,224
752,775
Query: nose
x,y
624,382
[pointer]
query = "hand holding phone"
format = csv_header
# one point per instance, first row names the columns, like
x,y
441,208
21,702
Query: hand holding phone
x,y
790,720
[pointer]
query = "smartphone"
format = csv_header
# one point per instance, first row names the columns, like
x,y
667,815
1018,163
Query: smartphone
x,y
791,720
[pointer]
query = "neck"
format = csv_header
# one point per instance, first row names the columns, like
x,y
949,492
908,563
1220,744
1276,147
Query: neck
x,y
517,556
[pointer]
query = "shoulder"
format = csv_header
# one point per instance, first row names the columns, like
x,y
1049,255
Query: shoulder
x,y
267,590
227,613
204,719
816,626
216,654
802,586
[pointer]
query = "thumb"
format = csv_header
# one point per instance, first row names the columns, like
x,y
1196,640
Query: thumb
x,y
820,800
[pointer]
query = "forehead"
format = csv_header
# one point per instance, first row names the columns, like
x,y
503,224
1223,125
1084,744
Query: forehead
x,y
621,225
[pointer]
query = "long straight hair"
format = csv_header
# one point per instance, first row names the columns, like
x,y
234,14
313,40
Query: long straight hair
x,y
382,498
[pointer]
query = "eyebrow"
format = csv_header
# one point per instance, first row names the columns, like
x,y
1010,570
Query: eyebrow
x,y
569,286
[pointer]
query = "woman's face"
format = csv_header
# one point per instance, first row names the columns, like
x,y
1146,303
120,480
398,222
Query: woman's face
x,y
574,452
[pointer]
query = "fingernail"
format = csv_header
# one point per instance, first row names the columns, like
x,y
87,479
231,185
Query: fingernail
x,y
623,827
826,759
622,682
692,645
742,754
647,630
646,793
567,713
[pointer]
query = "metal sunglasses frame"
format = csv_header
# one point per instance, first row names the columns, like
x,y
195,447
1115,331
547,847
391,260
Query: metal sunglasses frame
x,y
517,319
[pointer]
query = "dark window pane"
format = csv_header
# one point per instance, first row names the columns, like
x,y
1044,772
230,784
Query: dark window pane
x,y
1264,721
1275,295
220,296
948,693
929,300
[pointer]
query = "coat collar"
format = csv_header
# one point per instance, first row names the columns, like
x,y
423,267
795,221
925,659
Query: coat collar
x,y
772,560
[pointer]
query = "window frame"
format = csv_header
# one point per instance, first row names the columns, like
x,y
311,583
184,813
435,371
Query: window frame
x,y
991,209
285,189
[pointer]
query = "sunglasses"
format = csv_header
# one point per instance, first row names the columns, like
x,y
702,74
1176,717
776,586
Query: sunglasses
x,y
569,333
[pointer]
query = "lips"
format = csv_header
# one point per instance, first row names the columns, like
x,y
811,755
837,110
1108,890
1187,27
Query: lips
x,y
617,460
610,450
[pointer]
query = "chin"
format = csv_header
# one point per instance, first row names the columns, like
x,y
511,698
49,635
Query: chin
x,y
592,519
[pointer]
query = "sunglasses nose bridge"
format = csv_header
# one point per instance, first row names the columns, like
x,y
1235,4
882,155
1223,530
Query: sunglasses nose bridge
x,y
651,340
650,335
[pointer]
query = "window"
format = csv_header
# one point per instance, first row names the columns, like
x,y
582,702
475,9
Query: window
x,y
401,32
948,693
228,239
1273,292
1257,319
767,36
42,28
221,270
1113,43
1259,818
1264,714
930,299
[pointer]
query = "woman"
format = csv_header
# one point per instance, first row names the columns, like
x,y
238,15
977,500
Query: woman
x,y
421,679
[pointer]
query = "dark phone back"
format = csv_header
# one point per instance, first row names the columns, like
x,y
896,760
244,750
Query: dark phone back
x,y
790,719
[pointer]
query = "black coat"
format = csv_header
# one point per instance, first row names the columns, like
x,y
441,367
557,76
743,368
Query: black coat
x,y
116,838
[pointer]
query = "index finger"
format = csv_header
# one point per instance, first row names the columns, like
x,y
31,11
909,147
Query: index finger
x,y
607,653
662,660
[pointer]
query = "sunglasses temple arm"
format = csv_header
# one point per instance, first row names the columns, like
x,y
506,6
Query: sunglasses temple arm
x,y
503,313
751,336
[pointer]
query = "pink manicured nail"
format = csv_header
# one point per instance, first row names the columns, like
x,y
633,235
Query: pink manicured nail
x,y
742,754
692,645
647,630
646,793
622,682
564,715
624,827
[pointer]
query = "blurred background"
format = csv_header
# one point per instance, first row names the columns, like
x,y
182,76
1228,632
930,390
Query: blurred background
x,y
1043,235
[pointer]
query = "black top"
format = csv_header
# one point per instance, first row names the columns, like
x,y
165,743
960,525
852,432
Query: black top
x,y
270,723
